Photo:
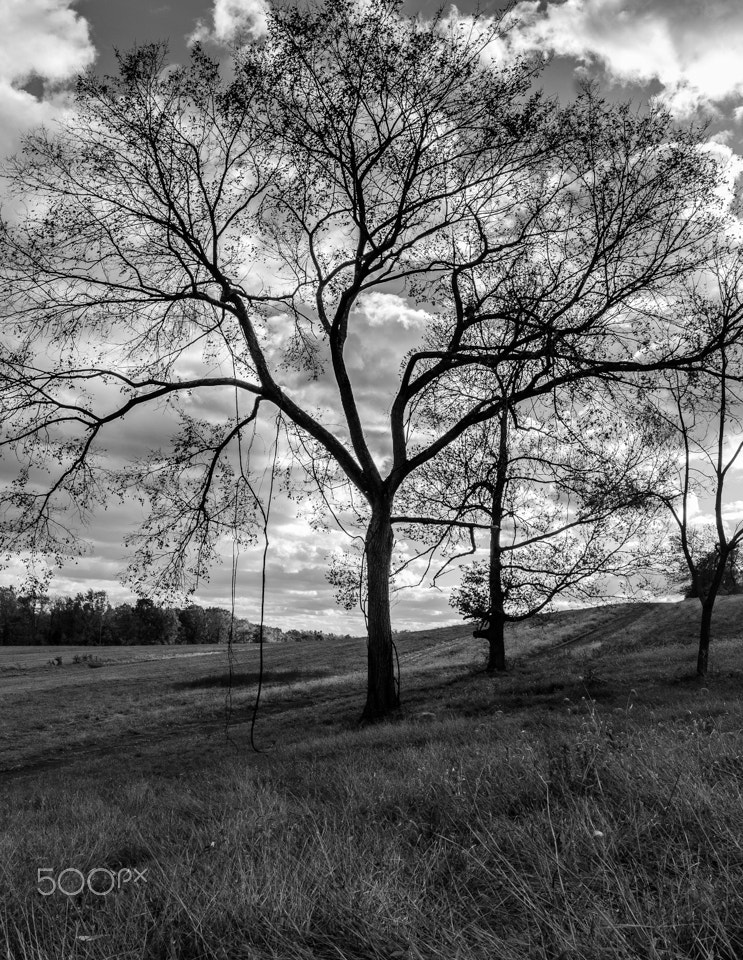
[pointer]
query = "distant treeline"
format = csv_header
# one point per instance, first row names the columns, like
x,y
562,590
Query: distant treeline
x,y
89,619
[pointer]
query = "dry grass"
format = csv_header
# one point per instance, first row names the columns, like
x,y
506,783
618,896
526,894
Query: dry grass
x,y
586,805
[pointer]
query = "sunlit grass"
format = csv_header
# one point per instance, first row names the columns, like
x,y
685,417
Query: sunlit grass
x,y
586,805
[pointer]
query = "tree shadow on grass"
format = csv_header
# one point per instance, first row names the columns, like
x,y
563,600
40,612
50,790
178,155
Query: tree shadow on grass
x,y
250,679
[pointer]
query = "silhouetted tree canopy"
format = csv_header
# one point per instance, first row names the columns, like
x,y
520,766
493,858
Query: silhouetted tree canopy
x,y
191,239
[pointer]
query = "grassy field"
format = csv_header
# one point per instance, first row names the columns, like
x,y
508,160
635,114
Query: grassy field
x,y
587,804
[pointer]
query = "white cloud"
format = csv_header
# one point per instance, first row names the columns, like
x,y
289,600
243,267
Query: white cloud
x,y
230,20
388,308
43,39
733,512
730,167
693,51
478,30
722,136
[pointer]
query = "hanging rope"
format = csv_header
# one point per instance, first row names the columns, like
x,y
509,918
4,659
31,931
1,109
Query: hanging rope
x,y
266,512
235,562
230,639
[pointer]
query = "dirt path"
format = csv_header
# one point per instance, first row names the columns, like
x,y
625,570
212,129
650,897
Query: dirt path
x,y
602,631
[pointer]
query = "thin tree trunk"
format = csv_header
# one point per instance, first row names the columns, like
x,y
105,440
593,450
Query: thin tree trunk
x,y
705,631
708,604
496,626
381,694
497,622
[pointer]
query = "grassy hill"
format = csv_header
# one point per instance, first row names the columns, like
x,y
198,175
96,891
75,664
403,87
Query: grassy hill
x,y
586,804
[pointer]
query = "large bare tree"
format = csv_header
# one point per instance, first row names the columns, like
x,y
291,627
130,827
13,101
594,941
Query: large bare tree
x,y
185,236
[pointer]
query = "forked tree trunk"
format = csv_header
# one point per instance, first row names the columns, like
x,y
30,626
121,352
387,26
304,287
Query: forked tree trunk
x,y
381,693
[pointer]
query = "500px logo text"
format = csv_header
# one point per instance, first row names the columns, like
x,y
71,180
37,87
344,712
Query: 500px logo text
x,y
100,880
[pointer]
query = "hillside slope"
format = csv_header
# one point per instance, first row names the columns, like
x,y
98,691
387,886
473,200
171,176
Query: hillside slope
x,y
627,625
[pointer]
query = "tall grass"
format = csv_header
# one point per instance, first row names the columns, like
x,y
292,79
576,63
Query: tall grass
x,y
594,836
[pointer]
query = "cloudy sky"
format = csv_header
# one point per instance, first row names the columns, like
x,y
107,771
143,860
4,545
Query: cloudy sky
x,y
686,52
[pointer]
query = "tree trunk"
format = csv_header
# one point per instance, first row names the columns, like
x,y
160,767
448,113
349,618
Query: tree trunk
x,y
708,604
496,646
381,692
494,633
705,631
496,624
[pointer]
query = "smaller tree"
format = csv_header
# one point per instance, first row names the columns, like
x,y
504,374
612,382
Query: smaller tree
x,y
563,500
701,413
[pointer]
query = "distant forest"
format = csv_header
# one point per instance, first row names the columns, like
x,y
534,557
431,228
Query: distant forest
x,y
89,619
